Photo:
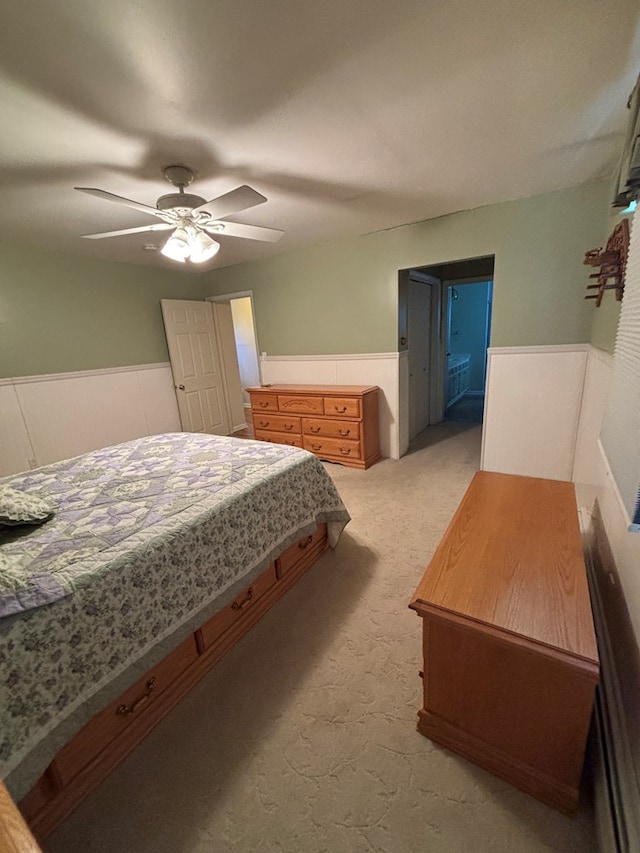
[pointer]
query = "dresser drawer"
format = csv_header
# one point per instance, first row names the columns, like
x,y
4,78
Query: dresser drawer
x,y
343,407
301,405
278,437
232,613
119,715
335,447
276,423
302,552
333,429
264,402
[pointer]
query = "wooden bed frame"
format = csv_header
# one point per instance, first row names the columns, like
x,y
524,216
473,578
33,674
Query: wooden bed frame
x,y
111,735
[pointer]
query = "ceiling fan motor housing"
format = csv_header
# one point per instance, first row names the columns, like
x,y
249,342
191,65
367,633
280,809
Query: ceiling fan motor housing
x,y
175,201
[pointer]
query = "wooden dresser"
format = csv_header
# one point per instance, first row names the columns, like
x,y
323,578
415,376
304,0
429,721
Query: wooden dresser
x,y
338,423
510,655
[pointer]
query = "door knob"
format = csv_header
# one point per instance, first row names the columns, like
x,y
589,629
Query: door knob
x,y
181,387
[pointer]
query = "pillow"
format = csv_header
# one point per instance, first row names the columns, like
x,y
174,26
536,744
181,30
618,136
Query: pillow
x,y
18,507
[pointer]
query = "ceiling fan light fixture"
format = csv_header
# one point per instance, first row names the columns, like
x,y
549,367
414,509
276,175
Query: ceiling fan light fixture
x,y
202,248
177,247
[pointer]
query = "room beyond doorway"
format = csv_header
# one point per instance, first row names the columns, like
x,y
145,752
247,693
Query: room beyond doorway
x,y
467,339
444,318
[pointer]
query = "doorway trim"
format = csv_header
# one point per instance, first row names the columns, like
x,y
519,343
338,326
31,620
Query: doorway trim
x,y
242,294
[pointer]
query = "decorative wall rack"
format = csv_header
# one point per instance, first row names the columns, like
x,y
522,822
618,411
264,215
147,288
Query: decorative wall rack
x,y
612,261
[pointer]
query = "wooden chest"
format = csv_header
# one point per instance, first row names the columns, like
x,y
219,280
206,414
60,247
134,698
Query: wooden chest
x,y
338,423
510,655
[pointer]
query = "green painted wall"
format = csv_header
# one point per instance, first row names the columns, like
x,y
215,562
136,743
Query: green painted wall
x,y
62,312
342,297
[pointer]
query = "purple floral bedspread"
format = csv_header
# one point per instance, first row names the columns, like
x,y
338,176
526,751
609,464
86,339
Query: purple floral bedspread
x,y
148,540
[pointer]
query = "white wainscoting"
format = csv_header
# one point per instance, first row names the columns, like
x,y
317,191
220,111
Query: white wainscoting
x,y
594,481
532,410
52,417
362,369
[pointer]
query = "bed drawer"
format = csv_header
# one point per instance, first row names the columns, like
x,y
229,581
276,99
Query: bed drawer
x,y
276,423
333,429
302,552
119,715
342,407
278,437
337,448
212,630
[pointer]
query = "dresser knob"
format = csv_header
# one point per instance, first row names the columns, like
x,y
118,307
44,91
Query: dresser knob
x,y
340,409
344,432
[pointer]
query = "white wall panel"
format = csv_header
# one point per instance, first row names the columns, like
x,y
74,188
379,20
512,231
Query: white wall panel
x,y
47,418
15,447
532,410
66,417
597,381
303,370
364,369
159,400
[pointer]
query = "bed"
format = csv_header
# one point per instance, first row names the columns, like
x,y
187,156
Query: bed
x,y
148,542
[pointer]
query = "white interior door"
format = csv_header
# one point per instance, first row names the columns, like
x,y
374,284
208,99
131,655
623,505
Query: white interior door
x,y
419,337
196,366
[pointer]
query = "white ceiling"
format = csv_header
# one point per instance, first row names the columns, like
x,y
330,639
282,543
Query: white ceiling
x,y
349,115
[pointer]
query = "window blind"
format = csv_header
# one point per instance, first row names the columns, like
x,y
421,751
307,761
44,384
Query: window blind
x,y
620,434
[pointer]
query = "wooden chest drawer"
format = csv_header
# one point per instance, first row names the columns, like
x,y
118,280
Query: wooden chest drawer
x,y
264,402
212,630
302,552
342,407
276,423
333,429
130,706
278,437
336,447
301,405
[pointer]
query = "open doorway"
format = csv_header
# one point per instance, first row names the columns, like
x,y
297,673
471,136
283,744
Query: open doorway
x,y
467,339
444,322
246,341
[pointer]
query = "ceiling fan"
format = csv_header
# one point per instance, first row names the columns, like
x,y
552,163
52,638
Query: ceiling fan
x,y
191,218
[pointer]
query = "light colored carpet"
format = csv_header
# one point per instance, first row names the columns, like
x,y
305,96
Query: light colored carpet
x,y
303,738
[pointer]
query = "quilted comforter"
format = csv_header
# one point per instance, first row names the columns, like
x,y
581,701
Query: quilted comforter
x,y
149,539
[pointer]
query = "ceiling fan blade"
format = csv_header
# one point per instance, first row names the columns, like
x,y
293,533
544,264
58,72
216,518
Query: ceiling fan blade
x,y
251,232
136,205
163,227
232,202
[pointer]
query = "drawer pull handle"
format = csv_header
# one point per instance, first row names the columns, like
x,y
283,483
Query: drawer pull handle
x,y
263,404
344,432
125,710
316,447
345,451
340,409
288,426
314,429
305,542
264,423
239,605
